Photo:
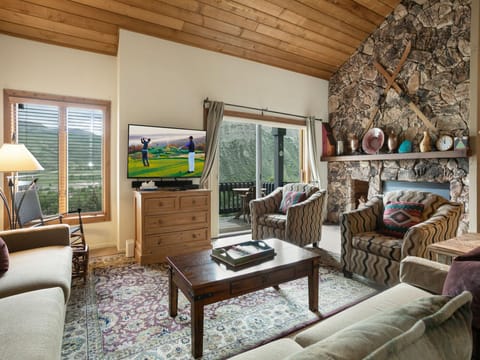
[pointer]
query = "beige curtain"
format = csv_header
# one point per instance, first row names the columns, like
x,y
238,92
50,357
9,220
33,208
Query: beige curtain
x,y
214,119
312,151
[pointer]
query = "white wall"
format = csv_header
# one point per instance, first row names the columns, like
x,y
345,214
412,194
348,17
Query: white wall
x,y
165,83
159,83
33,66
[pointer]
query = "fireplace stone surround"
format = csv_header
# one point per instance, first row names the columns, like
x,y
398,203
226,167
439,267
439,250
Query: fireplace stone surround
x,y
435,77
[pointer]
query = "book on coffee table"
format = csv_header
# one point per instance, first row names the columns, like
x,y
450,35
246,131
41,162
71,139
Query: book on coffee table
x,y
243,253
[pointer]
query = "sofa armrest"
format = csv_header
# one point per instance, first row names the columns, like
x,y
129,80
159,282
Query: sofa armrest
x,y
307,214
266,205
442,225
355,222
423,273
30,238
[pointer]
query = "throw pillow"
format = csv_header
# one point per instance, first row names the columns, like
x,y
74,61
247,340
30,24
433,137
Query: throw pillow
x,y
291,198
398,217
4,262
464,275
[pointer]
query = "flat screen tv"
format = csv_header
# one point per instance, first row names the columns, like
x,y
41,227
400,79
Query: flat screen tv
x,y
156,152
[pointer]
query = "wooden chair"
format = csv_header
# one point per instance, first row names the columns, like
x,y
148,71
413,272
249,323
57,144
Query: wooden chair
x,y
29,214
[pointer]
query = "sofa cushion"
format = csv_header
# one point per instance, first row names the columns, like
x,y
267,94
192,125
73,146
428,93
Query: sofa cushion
x,y
291,198
274,350
392,298
32,325
379,244
273,220
361,339
440,336
38,268
398,217
4,257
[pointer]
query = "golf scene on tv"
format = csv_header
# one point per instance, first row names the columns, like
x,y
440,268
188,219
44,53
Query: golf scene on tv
x,y
161,152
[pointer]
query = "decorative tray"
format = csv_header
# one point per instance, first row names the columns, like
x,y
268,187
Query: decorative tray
x,y
243,253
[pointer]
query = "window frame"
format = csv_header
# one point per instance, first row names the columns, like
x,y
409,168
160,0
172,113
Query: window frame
x,y
12,97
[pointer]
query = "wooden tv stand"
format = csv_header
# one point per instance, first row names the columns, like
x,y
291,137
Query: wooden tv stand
x,y
169,223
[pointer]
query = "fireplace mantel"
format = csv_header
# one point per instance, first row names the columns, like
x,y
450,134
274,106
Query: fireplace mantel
x,y
462,153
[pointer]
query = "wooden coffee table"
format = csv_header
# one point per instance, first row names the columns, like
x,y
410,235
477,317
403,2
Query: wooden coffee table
x,y
204,281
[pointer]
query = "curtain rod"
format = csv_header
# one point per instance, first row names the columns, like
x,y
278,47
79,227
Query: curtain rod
x,y
262,110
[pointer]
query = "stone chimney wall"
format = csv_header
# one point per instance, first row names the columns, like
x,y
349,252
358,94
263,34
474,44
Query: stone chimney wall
x,y
435,77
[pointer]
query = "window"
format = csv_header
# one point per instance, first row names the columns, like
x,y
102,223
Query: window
x,y
70,138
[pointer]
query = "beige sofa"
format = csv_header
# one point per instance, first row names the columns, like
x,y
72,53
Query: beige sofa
x,y
406,321
34,292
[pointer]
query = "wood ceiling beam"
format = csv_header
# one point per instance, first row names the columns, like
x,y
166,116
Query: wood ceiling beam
x,y
383,8
57,27
347,11
166,9
120,8
296,53
228,49
327,57
302,42
344,44
308,13
264,50
38,9
56,38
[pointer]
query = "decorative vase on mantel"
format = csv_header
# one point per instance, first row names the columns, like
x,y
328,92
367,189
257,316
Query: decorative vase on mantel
x,y
392,141
425,145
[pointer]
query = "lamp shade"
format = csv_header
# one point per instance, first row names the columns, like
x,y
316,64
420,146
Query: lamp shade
x,y
16,157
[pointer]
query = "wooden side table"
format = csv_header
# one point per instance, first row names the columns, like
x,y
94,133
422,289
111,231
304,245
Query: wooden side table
x,y
446,251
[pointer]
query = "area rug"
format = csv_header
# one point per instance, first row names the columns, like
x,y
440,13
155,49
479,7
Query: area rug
x,y
122,313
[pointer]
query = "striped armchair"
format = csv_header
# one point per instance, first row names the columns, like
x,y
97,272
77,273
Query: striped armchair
x,y
301,225
369,252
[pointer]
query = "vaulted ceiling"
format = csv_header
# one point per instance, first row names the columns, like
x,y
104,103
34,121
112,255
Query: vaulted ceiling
x,y
313,37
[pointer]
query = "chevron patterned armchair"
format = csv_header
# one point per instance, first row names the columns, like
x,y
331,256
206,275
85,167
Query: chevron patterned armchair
x,y
300,223
375,238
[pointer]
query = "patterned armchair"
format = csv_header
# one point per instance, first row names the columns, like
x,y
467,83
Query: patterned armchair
x,y
302,223
367,251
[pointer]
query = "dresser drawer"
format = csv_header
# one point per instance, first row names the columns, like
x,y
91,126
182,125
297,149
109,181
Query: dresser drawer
x,y
184,238
163,223
193,202
156,205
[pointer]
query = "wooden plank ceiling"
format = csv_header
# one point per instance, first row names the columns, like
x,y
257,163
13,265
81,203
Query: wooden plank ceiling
x,y
313,37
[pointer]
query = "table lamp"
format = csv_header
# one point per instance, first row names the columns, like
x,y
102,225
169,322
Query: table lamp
x,y
15,158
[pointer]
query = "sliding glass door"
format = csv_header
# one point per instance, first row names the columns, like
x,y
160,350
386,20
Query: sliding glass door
x,y
253,155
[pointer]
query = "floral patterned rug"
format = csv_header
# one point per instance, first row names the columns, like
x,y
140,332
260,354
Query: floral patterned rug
x,y
122,313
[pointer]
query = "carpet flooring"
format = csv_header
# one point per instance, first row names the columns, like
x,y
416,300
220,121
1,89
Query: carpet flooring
x,y
122,313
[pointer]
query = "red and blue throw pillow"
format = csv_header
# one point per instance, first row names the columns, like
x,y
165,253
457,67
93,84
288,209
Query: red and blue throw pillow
x,y
398,217
291,198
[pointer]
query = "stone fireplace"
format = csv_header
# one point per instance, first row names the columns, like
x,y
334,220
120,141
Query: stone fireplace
x,y
435,76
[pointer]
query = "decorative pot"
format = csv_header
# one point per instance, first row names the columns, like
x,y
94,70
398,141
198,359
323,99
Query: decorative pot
x,y
425,145
405,147
354,144
392,142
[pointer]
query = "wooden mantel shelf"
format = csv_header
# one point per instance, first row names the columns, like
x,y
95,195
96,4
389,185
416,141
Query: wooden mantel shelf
x,y
400,156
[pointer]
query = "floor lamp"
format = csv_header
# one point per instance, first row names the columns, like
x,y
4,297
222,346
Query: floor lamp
x,y
15,158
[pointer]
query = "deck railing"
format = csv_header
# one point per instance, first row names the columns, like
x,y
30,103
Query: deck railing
x,y
230,201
